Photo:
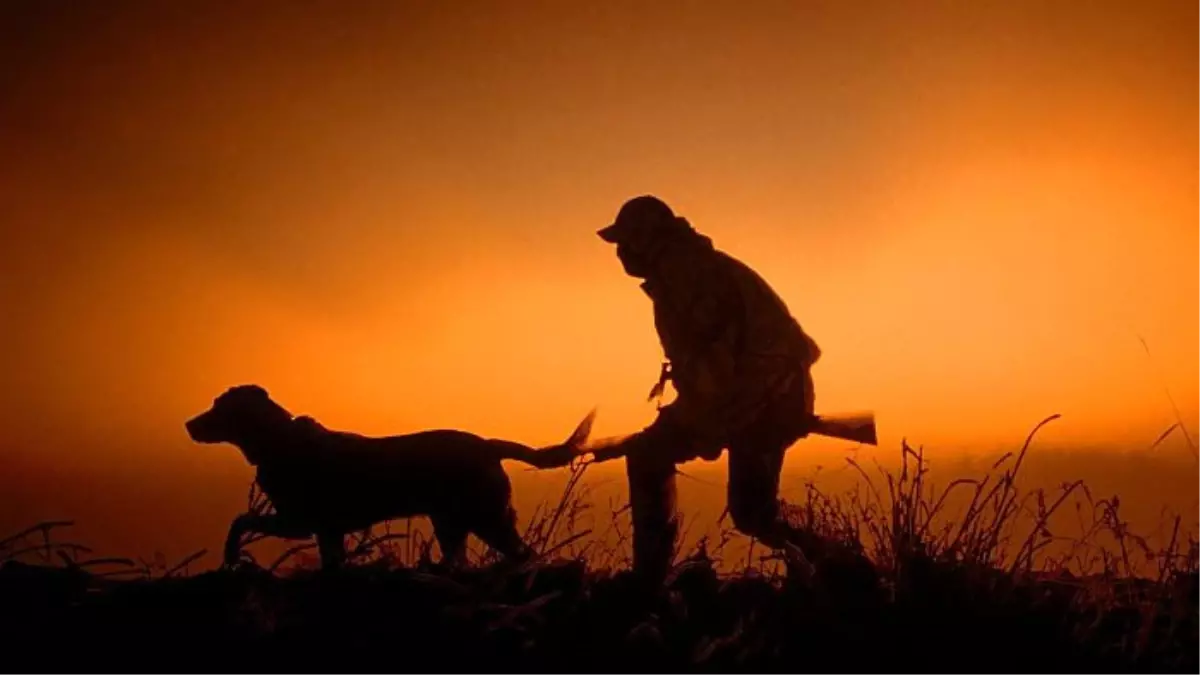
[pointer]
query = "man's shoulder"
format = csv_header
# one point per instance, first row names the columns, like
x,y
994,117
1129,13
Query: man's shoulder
x,y
686,264
728,260
707,260
735,269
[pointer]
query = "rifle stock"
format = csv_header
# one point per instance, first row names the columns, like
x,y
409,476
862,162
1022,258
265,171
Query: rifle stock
x,y
858,427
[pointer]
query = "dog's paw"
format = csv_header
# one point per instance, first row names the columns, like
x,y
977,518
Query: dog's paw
x,y
241,565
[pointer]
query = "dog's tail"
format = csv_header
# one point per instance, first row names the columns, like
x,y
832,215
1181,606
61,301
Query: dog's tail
x,y
554,455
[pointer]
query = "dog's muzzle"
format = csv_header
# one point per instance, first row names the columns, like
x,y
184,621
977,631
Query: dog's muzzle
x,y
199,430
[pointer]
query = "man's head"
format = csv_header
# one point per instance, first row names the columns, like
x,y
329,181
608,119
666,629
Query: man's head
x,y
643,225
241,416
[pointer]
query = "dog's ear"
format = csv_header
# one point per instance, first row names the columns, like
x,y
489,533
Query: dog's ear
x,y
245,393
257,397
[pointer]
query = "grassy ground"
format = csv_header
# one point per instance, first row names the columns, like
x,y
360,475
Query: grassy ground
x,y
899,586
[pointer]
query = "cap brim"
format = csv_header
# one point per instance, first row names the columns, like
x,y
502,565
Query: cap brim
x,y
609,233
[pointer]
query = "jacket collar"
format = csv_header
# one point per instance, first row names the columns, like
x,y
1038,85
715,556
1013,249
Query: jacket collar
x,y
697,242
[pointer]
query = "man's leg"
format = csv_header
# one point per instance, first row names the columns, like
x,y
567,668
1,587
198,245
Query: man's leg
x,y
652,504
650,458
753,490
755,464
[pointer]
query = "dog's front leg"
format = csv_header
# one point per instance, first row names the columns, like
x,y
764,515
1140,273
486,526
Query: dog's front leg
x,y
271,525
233,541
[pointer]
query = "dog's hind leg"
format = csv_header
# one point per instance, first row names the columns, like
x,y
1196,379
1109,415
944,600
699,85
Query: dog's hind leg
x,y
500,533
332,546
451,536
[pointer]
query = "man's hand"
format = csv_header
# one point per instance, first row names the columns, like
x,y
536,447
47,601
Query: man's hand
x,y
660,387
608,449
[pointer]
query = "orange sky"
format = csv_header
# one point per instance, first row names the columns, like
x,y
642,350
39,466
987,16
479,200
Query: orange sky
x,y
386,216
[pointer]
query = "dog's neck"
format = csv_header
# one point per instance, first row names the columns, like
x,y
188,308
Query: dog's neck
x,y
267,443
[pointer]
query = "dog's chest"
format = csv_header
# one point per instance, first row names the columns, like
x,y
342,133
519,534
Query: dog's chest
x,y
291,494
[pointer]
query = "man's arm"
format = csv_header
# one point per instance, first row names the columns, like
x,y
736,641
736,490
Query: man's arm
x,y
611,449
722,383
704,318
665,435
705,370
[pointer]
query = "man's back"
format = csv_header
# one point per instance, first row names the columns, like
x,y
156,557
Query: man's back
x,y
705,298
772,332
732,343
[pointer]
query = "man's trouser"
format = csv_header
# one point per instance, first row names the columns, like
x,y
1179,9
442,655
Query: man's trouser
x,y
652,505
755,461
756,456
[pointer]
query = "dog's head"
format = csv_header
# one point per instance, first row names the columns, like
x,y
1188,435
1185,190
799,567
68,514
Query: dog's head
x,y
242,416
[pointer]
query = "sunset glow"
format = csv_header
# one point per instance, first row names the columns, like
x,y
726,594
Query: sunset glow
x,y
387,218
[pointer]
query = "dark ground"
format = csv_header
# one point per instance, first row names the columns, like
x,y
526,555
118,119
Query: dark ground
x,y
564,618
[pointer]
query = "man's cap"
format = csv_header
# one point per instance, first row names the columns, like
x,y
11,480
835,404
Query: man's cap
x,y
646,211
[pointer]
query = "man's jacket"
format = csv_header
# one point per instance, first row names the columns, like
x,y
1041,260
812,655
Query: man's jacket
x,y
732,344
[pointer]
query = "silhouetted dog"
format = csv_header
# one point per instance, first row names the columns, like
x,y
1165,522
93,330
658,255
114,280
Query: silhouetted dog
x,y
329,483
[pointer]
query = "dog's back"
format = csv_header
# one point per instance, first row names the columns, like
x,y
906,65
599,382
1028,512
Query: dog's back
x,y
351,481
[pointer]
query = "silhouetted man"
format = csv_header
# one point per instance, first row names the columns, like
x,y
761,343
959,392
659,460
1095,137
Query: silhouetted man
x,y
740,367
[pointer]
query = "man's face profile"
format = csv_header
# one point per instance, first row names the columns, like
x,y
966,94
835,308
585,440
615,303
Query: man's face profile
x,y
632,259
